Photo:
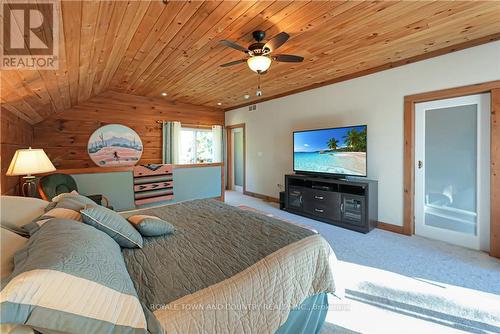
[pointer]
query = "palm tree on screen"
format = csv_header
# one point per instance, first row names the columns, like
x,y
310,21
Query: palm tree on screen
x,y
332,144
352,139
362,142
355,140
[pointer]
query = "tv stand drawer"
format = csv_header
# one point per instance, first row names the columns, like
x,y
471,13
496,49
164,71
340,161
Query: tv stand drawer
x,y
321,197
324,204
323,212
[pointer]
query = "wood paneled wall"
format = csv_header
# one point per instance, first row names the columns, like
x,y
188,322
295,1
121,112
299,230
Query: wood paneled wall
x,y
64,135
15,134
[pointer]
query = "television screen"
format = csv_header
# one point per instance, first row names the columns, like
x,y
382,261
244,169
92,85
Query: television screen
x,y
339,151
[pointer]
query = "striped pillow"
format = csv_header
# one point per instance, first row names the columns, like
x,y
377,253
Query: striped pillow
x,y
63,209
71,278
151,226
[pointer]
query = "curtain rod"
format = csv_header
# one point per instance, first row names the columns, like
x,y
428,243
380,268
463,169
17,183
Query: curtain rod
x,y
201,124
174,120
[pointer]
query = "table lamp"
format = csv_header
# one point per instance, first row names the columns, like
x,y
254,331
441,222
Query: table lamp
x,y
27,162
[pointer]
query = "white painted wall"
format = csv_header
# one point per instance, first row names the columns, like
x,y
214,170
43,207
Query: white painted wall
x,y
375,100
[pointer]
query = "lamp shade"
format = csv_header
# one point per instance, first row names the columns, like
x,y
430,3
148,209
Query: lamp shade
x,y
30,161
259,63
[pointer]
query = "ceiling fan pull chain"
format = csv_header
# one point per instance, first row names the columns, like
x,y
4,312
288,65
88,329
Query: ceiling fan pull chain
x,y
258,93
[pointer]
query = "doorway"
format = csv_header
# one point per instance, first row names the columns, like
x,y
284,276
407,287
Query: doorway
x,y
452,180
236,157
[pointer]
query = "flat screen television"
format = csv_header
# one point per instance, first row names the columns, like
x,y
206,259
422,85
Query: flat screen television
x,y
336,151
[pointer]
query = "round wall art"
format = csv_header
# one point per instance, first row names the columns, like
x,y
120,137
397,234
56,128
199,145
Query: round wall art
x,y
115,145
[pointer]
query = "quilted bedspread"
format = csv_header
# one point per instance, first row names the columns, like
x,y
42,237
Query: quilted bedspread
x,y
225,270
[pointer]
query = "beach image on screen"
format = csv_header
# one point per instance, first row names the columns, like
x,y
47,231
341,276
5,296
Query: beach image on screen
x,y
336,151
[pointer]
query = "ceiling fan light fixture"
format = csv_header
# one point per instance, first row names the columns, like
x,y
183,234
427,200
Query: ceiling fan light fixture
x,y
259,64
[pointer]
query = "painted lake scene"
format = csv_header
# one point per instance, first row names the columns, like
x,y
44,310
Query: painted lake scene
x,y
336,151
115,145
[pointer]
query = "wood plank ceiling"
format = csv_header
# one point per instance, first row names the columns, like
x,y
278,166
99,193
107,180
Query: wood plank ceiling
x,y
146,48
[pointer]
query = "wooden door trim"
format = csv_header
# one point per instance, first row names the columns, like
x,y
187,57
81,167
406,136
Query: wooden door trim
x,y
230,157
492,87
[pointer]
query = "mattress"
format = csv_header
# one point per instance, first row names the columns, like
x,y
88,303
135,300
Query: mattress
x,y
227,267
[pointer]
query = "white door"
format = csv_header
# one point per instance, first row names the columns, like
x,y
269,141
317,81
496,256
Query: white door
x,y
452,170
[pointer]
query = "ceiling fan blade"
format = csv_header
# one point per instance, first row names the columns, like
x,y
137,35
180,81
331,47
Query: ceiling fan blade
x,y
288,58
230,44
236,62
277,41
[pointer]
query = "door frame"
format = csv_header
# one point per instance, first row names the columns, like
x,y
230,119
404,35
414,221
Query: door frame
x,y
492,87
229,156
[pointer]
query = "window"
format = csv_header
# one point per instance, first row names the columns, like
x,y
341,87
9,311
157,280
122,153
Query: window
x,y
196,146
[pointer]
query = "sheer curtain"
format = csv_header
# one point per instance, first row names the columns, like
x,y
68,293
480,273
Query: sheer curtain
x,y
171,142
217,143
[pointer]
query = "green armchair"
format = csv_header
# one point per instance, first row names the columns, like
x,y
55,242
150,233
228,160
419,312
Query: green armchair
x,y
52,185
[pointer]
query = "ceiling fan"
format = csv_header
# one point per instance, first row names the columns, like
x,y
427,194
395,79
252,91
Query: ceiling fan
x,y
259,53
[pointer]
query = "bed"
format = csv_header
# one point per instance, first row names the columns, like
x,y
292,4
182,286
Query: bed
x,y
226,270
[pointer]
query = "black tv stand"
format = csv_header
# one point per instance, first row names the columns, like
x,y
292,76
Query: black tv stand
x,y
350,203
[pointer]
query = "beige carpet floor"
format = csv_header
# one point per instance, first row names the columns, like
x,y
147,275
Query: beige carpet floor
x,y
401,284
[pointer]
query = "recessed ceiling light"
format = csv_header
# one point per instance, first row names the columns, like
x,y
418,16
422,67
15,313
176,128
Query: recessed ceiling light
x,y
163,94
246,96
219,103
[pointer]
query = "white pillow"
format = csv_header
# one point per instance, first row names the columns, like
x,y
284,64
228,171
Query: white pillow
x,y
17,211
10,244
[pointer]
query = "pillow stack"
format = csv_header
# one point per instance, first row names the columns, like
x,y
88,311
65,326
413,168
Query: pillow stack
x,y
71,278
127,234
65,208
70,275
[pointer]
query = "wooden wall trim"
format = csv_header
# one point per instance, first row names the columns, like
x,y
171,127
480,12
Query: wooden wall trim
x,y
223,183
483,87
391,228
209,164
90,170
229,160
262,197
492,87
409,172
387,66
234,126
495,174
97,170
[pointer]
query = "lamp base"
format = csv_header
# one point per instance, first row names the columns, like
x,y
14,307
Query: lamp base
x,y
29,186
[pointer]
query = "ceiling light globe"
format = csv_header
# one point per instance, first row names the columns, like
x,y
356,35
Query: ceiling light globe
x,y
259,64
